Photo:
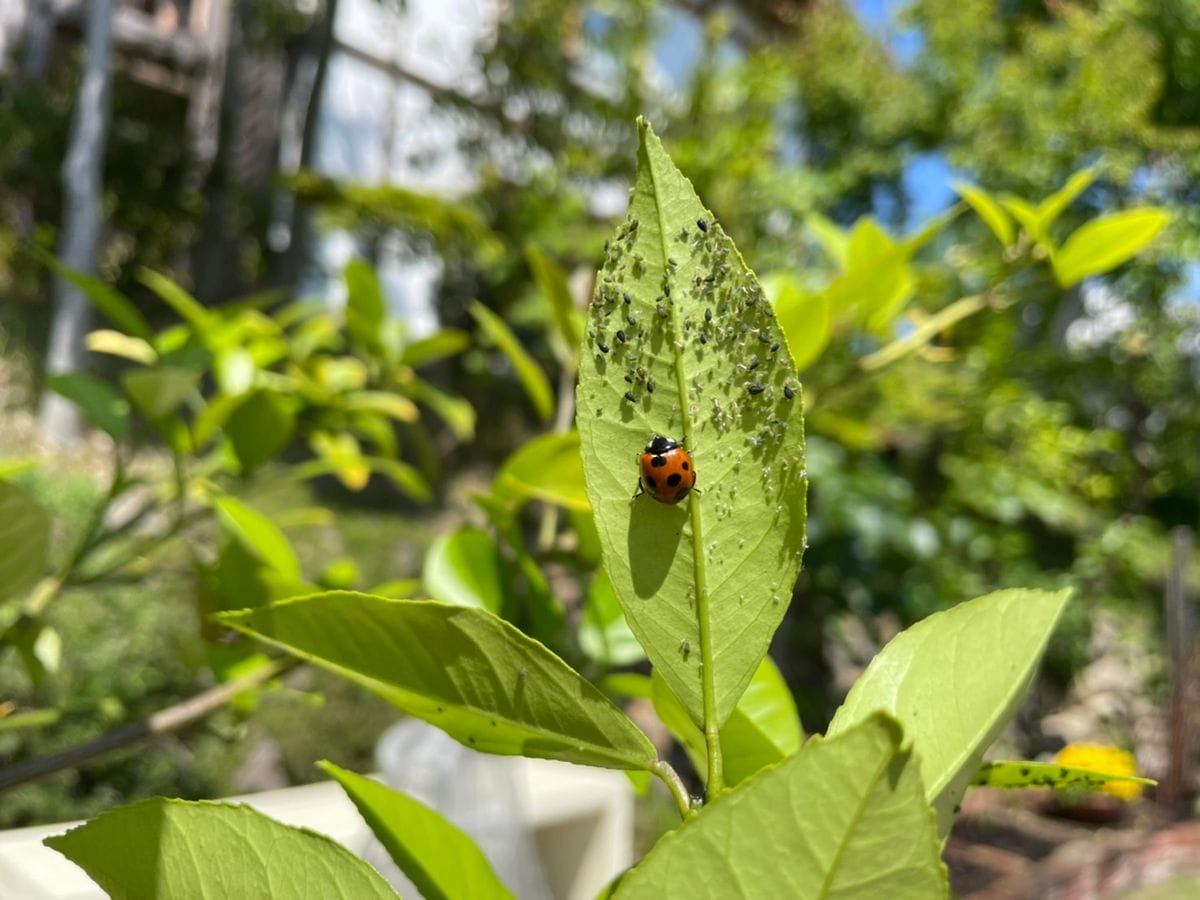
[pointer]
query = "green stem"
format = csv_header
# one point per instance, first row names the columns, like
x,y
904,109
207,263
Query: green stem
x,y
675,785
716,781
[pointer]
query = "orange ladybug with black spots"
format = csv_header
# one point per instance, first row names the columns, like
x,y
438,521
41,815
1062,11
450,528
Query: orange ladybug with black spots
x,y
667,472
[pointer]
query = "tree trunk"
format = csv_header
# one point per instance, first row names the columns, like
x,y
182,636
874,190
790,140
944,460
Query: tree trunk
x,y
81,174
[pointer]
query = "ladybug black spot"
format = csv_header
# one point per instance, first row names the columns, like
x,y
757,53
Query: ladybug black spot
x,y
686,466
650,482
674,478
658,461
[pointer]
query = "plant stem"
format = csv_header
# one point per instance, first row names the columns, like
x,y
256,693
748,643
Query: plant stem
x,y
164,721
675,785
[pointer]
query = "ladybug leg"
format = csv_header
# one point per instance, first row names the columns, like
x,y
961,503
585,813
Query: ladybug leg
x,y
641,490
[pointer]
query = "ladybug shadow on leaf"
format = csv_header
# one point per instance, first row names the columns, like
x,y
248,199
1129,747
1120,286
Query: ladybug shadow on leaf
x,y
655,530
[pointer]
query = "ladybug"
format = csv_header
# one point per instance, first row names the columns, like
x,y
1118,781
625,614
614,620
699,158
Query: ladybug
x,y
667,473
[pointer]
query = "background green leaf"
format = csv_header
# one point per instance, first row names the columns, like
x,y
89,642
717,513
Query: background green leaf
x,y
441,860
24,540
465,568
1027,773
604,635
102,404
261,427
257,534
365,308
159,392
547,468
529,373
803,317
462,669
989,210
179,848
954,680
739,542
1104,243
843,818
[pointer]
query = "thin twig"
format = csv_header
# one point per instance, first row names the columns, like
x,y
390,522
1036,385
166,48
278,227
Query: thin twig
x,y
164,721
675,785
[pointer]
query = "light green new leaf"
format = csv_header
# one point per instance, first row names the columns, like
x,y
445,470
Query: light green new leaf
x,y
552,282
440,859
878,280
1104,243
24,540
1027,773
529,373
547,468
257,534
343,454
954,680
989,210
832,239
456,412
462,669
1052,207
803,317
365,307
1026,214
843,818
212,851
438,345
763,729
465,568
114,343
260,428
394,406
604,635
101,403
705,359
403,477
235,369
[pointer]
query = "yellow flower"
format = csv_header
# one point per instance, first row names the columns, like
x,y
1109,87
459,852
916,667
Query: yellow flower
x,y
1106,759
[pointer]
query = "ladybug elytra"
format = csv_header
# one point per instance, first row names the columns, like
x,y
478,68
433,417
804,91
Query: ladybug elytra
x,y
667,473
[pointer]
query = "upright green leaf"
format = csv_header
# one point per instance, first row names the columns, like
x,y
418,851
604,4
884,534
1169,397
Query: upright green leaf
x,y
438,345
212,851
24,540
1052,207
101,403
462,669
440,859
111,303
456,412
1104,243
954,680
366,311
705,366
159,392
465,568
552,282
1025,213
547,468
803,317
832,239
529,373
257,534
989,210
185,305
261,427
844,818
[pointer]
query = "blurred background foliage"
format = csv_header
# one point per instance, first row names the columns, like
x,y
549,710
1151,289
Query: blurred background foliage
x,y
1047,436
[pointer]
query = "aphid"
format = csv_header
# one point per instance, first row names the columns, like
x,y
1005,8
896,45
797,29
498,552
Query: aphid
x,y
621,336
702,225
650,387
628,299
775,347
755,388
671,262
629,379
789,392
629,396
762,336
754,363
603,346
707,314
703,338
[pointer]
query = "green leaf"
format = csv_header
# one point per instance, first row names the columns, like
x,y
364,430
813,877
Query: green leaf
x,y
843,818
547,468
24,540
529,373
257,534
441,860
101,403
111,303
804,318
954,680
989,210
184,304
201,850
604,635
114,343
235,370
406,479
456,412
1052,207
552,283
365,308
159,392
344,456
763,729
394,406
17,465
260,428
439,345
462,669
716,570
1026,773
465,568
833,240
1025,213
1104,243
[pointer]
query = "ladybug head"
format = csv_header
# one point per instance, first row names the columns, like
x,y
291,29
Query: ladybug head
x,y
659,445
